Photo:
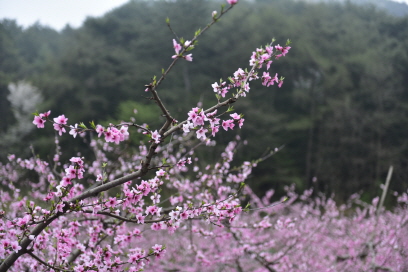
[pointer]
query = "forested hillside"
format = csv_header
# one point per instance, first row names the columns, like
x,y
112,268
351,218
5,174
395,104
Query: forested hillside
x,y
341,113
390,6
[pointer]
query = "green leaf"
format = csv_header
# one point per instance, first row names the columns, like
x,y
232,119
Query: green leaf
x,y
82,125
197,32
92,123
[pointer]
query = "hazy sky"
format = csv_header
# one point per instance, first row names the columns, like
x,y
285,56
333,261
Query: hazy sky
x,y
55,13
58,13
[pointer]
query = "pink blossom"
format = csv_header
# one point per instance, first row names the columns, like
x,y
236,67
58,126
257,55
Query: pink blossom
x,y
156,226
71,172
124,134
151,210
99,177
62,120
157,248
15,246
201,133
100,130
39,122
60,207
235,116
187,126
280,83
74,130
156,137
77,160
214,130
241,122
177,47
109,136
65,181
174,215
188,57
228,124
160,173
215,87
181,163
185,215
232,2
140,218
111,202
283,50
41,119
60,123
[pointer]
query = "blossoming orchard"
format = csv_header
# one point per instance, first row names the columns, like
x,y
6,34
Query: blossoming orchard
x,y
157,210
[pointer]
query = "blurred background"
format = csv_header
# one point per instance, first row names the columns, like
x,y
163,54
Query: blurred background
x,y
341,113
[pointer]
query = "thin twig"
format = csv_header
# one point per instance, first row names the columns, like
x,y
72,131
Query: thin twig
x,y
385,189
47,265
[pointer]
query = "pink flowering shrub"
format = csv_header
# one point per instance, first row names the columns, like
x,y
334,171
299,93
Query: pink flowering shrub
x,y
157,209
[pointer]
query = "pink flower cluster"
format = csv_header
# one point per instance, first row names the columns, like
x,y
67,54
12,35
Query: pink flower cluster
x,y
60,123
197,118
311,234
73,171
112,134
177,48
39,120
242,78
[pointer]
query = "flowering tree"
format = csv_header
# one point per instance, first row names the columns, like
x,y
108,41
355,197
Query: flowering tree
x,y
24,98
156,209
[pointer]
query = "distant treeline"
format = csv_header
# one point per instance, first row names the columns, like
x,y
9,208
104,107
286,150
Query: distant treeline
x,y
341,113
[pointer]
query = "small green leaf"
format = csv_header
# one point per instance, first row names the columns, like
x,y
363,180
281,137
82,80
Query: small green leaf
x,y
197,32
82,125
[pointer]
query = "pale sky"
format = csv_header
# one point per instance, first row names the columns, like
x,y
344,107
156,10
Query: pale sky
x,y
55,13
58,13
